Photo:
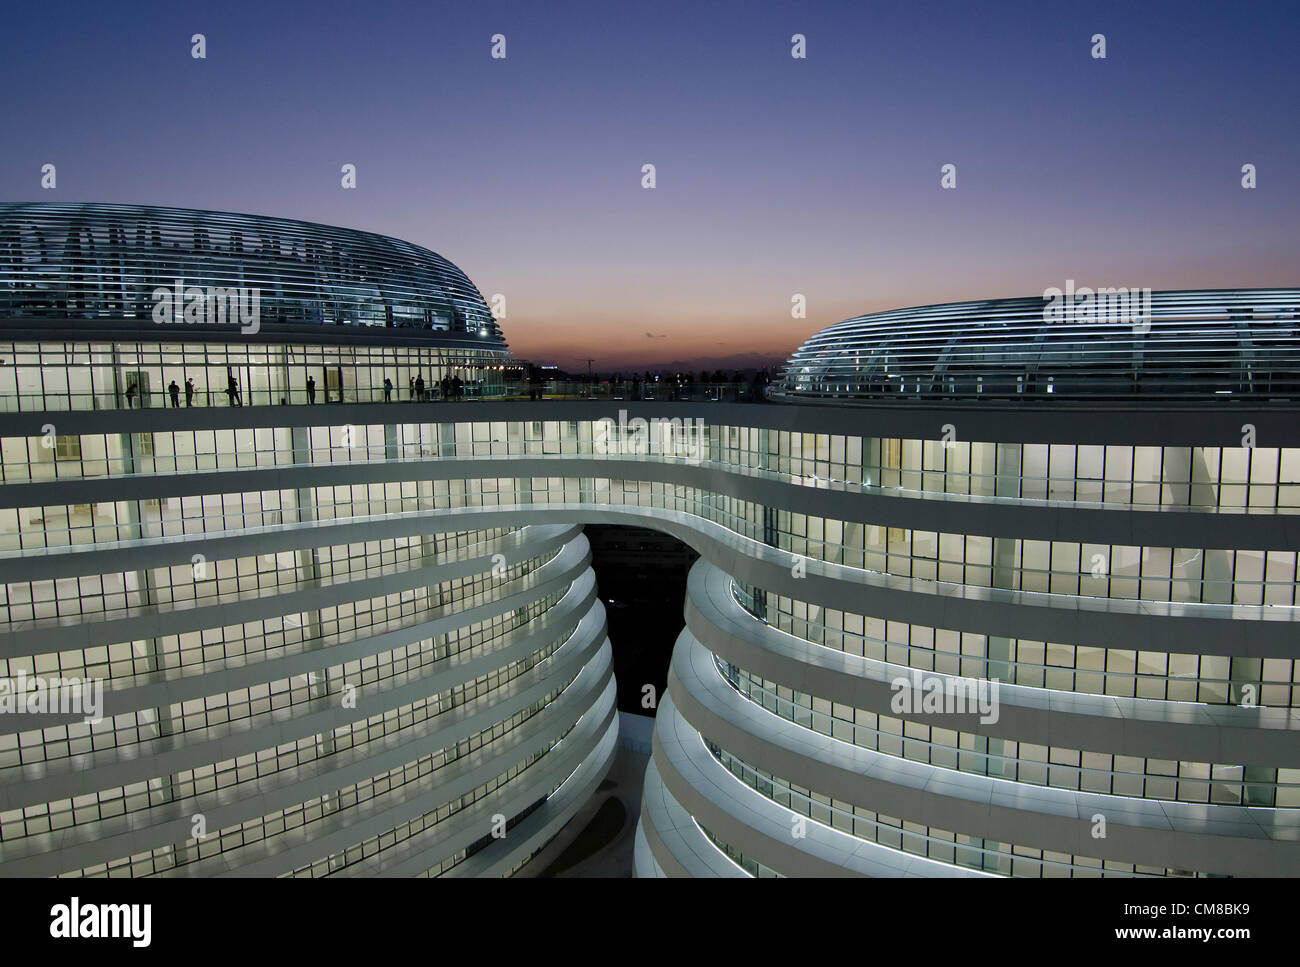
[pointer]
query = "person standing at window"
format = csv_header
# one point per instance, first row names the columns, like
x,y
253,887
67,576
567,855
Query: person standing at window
x,y
311,390
189,392
388,390
175,392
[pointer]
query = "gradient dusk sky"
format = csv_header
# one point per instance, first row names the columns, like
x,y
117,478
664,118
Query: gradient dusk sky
x,y
775,176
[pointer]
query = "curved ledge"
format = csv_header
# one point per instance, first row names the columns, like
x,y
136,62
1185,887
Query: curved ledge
x,y
499,857
762,828
1195,732
1027,518
676,844
170,823
376,817
44,635
123,765
1149,424
643,861
1249,841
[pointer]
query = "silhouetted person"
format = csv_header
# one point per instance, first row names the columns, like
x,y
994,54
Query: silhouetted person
x,y
232,391
130,395
311,390
457,384
445,383
411,381
388,390
189,392
175,392
419,387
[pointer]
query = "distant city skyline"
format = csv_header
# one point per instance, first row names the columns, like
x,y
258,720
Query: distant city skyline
x,y
775,176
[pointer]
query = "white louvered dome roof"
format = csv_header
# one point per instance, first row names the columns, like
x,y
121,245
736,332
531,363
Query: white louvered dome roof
x,y
1185,345
95,266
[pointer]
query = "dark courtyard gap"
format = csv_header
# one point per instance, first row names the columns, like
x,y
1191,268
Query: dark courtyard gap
x,y
641,577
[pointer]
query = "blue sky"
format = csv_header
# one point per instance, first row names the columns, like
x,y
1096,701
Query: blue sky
x,y
775,176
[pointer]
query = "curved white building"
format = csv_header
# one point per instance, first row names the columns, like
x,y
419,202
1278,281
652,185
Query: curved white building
x,y
1045,622
215,660
362,638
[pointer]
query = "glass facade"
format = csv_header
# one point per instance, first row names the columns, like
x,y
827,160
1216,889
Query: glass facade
x,y
40,377
294,678
419,464
363,638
